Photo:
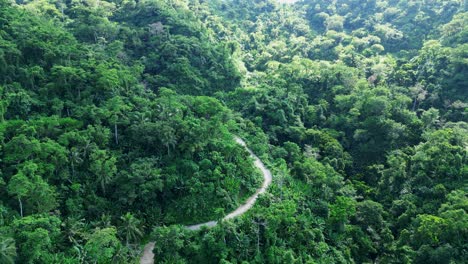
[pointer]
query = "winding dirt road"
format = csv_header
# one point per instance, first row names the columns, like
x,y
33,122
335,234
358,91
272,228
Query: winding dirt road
x,y
148,256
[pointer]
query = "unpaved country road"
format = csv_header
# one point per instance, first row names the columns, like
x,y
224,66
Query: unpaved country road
x,y
148,256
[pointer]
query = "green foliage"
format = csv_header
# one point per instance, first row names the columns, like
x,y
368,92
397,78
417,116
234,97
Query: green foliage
x,y
117,118
130,228
88,130
37,237
7,250
102,245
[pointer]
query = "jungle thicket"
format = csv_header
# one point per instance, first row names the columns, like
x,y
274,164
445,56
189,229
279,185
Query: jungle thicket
x,y
117,120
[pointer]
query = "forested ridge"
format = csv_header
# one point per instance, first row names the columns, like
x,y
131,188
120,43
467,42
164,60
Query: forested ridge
x,y
117,124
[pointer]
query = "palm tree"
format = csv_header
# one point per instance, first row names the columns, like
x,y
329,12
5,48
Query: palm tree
x,y
117,109
7,250
104,222
75,159
75,230
131,228
104,179
168,137
103,167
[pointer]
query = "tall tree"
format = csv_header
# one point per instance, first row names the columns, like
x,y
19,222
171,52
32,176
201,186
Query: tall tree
x,y
131,228
103,166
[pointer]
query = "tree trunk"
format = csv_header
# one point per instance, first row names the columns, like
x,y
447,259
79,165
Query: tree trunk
x,y
415,102
21,206
281,187
116,133
73,170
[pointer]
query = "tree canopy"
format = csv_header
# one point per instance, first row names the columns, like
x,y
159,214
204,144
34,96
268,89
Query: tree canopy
x,y
117,120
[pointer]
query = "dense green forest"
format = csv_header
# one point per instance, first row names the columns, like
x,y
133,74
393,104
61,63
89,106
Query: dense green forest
x,y
117,120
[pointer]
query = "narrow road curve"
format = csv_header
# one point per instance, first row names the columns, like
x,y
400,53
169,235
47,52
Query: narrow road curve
x,y
148,256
